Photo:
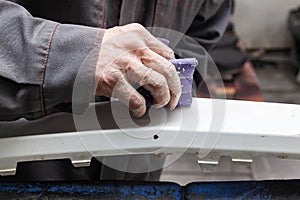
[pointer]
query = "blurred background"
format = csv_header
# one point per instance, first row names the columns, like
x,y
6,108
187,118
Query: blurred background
x,y
270,31
259,56
259,60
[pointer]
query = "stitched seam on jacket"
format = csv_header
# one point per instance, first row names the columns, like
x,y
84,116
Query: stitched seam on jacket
x,y
134,11
42,78
103,15
157,10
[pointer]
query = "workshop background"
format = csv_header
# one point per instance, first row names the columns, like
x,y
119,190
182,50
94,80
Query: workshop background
x,y
269,73
258,61
269,23
270,34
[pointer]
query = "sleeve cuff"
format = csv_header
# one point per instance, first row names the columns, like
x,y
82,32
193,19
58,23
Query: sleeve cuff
x,y
70,70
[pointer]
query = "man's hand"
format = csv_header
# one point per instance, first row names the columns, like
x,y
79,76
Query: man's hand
x,y
131,55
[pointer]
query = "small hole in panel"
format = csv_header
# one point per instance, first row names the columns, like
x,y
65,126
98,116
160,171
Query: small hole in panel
x,y
156,137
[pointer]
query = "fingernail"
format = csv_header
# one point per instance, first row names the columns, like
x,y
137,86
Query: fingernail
x,y
172,106
173,103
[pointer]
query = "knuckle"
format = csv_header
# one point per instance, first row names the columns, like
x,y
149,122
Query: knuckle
x,y
141,52
165,50
159,82
120,61
162,97
136,102
170,70
111,77
136,26
163,94
129,68
125,63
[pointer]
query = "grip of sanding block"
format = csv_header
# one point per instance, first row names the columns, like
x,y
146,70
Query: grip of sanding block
x,y
185,68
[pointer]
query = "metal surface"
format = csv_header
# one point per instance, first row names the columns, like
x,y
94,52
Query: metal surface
x,y
249,129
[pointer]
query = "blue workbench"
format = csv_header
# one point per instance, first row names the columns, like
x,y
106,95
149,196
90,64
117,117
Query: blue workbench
x,y
132,190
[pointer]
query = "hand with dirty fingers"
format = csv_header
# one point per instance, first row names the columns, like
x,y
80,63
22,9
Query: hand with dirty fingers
x,y
130,55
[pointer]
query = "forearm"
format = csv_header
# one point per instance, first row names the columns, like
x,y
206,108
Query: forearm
x,y
40,61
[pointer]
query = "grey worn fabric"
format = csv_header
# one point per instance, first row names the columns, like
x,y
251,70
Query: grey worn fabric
x,y
205,20
40,59
41,54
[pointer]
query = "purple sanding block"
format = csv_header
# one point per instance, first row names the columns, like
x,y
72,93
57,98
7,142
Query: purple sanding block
x,y
185,68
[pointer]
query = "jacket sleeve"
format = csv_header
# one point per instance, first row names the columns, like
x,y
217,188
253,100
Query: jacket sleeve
x,y
210,22
40,61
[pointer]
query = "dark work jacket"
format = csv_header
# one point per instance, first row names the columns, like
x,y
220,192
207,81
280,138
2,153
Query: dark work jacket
x,y
40,56
44,43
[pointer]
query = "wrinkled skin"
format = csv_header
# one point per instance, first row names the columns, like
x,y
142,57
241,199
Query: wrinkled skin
x,y
131,55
